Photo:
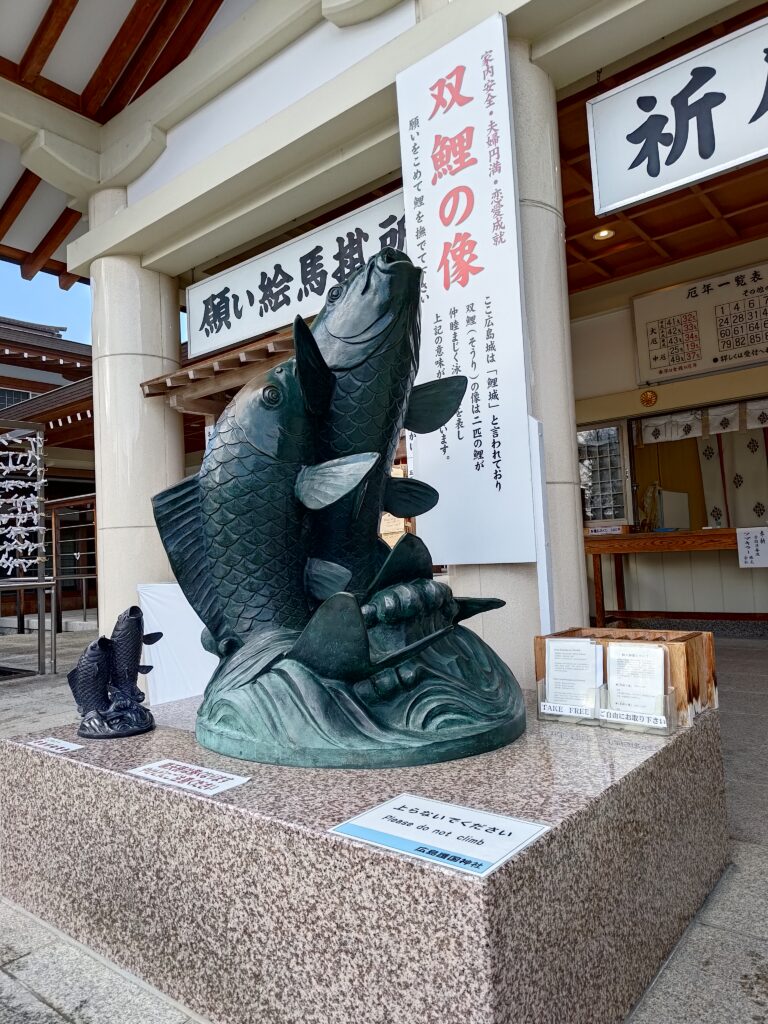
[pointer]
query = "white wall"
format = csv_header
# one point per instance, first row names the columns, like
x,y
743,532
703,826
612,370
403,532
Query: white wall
x,y
604,359
314,59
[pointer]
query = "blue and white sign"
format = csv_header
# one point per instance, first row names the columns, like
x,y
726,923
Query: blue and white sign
x,y
699,115
450,835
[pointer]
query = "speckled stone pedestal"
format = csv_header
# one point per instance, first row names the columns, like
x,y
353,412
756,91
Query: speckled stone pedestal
x,y
246,910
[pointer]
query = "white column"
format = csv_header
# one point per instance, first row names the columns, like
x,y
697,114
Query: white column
x,y
139,442
511,630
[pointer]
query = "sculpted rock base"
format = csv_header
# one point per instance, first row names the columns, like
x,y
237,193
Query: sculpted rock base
x,y
453,699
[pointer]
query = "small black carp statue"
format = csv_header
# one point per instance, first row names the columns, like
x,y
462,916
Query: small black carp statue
x,y
334,650
104,682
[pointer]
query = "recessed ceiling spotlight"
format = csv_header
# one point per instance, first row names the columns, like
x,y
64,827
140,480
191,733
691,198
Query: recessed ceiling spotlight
x,y
603,234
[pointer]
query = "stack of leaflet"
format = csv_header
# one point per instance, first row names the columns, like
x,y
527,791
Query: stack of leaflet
x,y
636,694
574,675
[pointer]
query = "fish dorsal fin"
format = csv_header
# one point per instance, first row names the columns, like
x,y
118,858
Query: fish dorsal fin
x,y
334,643
322,485
324,579
408,560
434,403
179,521
151,638
315,379
404,496
469,606
144,670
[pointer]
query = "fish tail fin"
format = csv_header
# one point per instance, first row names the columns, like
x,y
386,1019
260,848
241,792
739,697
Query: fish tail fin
x,y
408,560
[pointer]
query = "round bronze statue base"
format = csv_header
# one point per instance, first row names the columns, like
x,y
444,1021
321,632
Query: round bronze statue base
x,y
453,699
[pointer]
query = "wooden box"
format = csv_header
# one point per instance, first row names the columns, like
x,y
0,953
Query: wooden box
x,y
692,673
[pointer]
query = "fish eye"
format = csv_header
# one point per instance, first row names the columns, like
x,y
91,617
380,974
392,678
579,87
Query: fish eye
x,y
271,395
334,293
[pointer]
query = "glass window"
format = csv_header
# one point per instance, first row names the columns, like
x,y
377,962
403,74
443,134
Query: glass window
x,y
10,397
602,470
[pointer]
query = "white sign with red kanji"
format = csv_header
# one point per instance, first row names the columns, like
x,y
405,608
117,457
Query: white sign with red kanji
x,y
265,293
462,222
697,116
717,323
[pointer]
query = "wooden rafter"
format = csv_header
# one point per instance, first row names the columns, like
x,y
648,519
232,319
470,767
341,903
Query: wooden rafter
x,y
45,38
66,280
17,200
49,243
42,86
141,62
183,41
120,51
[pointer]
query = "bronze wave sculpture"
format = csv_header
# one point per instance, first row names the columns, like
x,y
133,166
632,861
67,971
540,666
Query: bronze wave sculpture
x,y
334,649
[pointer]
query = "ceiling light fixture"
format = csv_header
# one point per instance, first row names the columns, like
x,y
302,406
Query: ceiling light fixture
x,y
603,234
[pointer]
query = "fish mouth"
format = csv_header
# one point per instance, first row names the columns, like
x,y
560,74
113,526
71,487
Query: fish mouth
x,y
389,263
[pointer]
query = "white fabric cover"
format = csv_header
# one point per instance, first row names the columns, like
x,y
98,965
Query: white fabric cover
x,y
673,426
182,667
757,413
723,419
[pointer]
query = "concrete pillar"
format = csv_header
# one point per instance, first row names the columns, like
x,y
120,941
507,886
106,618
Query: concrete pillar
x,y
511,630
139,442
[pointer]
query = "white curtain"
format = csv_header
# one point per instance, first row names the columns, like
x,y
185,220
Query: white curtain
x,y
673,426
734,471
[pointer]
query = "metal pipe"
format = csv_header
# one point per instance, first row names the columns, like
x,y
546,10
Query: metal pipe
x,y
54,613
41,631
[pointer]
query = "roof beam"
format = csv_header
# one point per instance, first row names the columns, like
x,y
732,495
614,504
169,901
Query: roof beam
x,y
46,36
50,243
67,280
17,200
120,51
183,41
145,56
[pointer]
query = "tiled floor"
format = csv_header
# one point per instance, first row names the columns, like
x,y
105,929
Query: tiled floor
x,y
718,973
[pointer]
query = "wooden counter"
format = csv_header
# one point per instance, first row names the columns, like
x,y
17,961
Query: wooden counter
x,y
619,545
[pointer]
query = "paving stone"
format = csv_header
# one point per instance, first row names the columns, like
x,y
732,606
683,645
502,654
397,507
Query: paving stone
x,y
747,810
19,934
714,977
19,1006
739,903
85,991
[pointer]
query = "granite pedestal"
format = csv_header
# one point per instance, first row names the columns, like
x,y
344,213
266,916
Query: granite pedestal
x,y
244,908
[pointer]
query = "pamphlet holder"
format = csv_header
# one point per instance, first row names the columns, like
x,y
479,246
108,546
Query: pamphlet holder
x,y
661,725
568,714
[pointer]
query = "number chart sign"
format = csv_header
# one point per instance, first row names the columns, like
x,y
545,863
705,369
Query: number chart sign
x,y
461,216
693,118
265,293
450,835
720,323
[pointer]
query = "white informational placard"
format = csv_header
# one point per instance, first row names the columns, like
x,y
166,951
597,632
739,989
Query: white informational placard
x,y
181,667
574,670
461,215
706,326
192,777
53,745
446,834
265,293
636,684
693,118
752,543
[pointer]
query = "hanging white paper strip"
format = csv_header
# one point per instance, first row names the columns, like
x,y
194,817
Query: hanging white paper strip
x,y
674,426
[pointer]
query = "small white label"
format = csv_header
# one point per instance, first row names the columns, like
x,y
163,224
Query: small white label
x,y
752,542
602,531
453,836
193,777
633,718
54,745
574,710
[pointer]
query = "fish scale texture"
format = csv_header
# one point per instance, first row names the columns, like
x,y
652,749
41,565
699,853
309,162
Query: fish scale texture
x,y
253,535
367,413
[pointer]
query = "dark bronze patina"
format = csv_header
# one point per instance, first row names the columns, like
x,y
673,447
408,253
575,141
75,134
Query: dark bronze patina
x,y
334,649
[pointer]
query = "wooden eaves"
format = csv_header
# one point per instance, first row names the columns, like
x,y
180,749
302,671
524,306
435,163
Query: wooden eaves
x,y
205,386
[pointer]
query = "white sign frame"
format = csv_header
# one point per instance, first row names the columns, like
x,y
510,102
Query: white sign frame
x,y
491,430
243,279
403,835
732,53
715,303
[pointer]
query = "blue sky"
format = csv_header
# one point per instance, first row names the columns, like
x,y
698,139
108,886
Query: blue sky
x,y
43,302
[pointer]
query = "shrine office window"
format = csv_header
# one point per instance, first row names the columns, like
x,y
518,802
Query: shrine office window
x,y
9,397
604,473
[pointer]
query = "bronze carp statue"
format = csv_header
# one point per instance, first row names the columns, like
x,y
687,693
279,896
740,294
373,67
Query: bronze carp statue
x,y
334,650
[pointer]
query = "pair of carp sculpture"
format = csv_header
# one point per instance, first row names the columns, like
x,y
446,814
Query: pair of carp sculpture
x,y
334,649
